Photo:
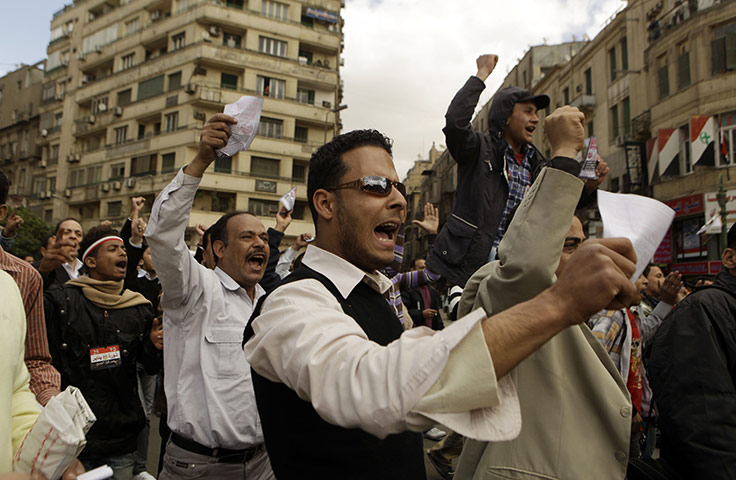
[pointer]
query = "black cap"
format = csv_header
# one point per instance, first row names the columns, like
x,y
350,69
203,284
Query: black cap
x,y
541,101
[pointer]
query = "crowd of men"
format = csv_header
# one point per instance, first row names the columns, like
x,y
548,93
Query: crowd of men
x,y
331,363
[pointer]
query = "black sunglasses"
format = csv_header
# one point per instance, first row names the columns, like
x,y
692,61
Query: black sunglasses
x,y
373,184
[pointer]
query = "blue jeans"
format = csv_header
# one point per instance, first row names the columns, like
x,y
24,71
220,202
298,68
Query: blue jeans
x,y
122,465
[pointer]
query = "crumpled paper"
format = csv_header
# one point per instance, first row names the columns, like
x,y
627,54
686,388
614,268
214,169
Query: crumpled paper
x,y
57,437
288,199
247,111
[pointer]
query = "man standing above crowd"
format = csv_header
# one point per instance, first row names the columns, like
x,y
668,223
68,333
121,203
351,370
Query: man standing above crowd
x,y
60,262
494,171
212,413
44,377
332,362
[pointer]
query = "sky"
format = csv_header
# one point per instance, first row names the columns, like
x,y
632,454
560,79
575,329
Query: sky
x,y
404,59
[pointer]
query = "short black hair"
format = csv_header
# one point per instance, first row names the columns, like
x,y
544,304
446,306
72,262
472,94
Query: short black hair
x,y
731,238
218,231
4,188
58,225
94,234
206,236
326,167
648,268
45,240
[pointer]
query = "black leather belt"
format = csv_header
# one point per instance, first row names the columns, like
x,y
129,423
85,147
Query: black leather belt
x,y
223,455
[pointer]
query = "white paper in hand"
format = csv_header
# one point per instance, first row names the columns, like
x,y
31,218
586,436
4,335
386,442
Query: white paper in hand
x,y
642,220
57,437
247,111
289,199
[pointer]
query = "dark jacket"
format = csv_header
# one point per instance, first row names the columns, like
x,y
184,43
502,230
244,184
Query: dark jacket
x,y
692,372
148,288
75,325
465,241
414,303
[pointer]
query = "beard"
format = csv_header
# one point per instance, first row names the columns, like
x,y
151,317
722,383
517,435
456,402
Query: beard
x,y
350,243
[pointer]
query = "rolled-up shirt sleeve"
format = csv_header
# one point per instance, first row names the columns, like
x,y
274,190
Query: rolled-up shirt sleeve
x,y
303,339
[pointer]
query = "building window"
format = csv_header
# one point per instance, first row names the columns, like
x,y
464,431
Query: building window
x,y
131,26
51,185
263,208
117,171
151,87
145,165
566,95
229,81
624,54
172,121
612,63
48,93
589,82
177,41
723,49
279,11
270,127
53,155
223,202
626,113
614,123
124,97
231,40
299,210
94,174
301,134
688,244
121,135
264,167
76,178
726,148
271,87
99,104
224,164
591,129
115,209
663,81
175,81
234,4
683,68
127,61
271,46
686,164
299,172
305,96
168,162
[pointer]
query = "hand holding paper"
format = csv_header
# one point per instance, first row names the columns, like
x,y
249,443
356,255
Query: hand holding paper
x,y
247,111
642,220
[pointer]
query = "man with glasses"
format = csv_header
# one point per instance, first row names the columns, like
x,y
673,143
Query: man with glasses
x,y
332,363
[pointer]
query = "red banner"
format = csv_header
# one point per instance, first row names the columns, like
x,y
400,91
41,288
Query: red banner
x,y
687,205
664,252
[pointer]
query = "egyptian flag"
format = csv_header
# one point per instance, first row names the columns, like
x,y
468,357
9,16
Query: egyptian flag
x,y
669,147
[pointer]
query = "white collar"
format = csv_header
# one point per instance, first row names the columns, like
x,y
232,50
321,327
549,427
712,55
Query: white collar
x,y
343,274
228,282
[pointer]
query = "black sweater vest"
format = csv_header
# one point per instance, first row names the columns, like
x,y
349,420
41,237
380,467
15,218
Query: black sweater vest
x,y
300,444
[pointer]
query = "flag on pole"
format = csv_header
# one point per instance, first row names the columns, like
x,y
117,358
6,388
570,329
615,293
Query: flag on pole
x,y
652,156
712,226
702,134
669,147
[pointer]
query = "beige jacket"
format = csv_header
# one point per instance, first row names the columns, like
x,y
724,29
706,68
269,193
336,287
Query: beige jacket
x,y
575,409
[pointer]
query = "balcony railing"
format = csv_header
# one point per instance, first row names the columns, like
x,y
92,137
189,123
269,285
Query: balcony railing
x,y
671,19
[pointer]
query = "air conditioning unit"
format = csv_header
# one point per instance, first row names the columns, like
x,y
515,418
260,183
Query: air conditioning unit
x,y
326,104
105,187
81,56
91,119
191,89
42,164
118,112
130,182
45,195
620,141
116,185
214,30
200,115
59,96
73,158
44,132
101,107
67,192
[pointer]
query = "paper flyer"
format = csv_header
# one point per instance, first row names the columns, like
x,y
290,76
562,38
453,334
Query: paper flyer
x,y
247,111
642,220
289,199
591,160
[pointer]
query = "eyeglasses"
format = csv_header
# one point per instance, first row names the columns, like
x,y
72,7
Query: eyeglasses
x,y
373,184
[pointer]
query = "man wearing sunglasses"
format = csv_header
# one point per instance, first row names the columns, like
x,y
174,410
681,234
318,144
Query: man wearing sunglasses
x,y
332,363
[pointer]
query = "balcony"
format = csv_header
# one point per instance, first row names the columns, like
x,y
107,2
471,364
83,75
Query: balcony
x,y
586,103
661,25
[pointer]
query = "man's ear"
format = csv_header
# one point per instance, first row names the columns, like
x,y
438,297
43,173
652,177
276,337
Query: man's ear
x,y
729,259
90,262
325,203
3,211
218,249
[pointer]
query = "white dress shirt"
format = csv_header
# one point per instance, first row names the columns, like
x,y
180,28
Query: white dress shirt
x,y
303,339
208,384
73,269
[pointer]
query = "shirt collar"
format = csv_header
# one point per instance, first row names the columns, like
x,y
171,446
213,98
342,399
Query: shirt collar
x,y
142,273
8,263
227,282
343,274
73,269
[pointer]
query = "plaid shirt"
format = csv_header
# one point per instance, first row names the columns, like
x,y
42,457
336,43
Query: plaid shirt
x,y
519,178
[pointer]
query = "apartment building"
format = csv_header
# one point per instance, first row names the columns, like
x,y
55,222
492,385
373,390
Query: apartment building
x,y
20,94
129,84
